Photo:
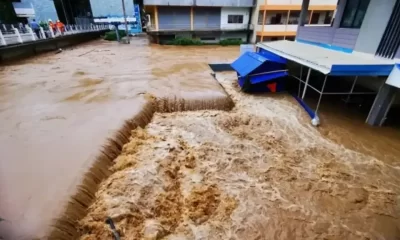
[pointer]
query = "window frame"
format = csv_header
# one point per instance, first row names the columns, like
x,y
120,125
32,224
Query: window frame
x,y
353,20
235,18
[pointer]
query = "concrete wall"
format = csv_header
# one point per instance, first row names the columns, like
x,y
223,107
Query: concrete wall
x,y
397,54
215,3
177,18
341,37
233,35
374,25
102,8
206,18
44,10
225,11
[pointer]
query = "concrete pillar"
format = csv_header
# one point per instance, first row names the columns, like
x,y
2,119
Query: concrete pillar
x,y
156,17
18,35
383,102
303,13
2,40
339,13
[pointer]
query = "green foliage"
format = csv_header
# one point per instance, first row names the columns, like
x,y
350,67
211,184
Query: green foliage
x,y
227,42
112,35
185,41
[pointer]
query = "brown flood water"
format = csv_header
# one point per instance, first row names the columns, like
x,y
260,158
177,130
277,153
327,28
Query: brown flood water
x,y
258,172
58,110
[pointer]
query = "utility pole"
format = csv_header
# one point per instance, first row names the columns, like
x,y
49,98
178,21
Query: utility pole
x,y
126,22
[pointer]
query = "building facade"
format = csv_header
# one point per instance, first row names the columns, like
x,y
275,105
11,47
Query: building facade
x,y
24,10
206,20
370,27
278,19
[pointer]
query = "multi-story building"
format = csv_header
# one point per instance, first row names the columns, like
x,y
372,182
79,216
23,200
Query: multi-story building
x,y
278,19
209,21
361,45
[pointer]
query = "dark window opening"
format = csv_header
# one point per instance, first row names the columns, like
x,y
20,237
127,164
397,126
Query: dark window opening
x,y
260,17
315,18
235,18
328,17
354,13
207,38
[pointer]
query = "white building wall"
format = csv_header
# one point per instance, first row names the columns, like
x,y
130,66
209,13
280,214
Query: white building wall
x,y
225,11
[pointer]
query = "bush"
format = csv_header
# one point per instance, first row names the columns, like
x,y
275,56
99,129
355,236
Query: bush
x,y
112,35
185,42
227,42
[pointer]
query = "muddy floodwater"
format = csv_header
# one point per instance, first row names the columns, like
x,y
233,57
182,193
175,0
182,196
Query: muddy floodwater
x,y
259,171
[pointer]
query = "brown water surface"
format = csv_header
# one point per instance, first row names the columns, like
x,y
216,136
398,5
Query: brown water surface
x,y
261,171
57,110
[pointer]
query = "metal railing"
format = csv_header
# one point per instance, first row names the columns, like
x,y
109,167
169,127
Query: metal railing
x,y
200,27
11,35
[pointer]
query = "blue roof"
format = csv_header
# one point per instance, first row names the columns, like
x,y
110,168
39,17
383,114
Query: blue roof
x,y
247,63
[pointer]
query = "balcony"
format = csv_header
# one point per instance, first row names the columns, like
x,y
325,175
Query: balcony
x,y
283,29
299,2
200,27
205,3
316,5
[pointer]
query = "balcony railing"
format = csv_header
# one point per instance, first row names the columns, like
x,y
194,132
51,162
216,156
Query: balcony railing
x,y
18,34
200,27
299,2
285,27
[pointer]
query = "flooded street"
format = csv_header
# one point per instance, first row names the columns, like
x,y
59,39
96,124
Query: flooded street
x,y
259,171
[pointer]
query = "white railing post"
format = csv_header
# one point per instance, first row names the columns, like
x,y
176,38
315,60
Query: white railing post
x,y
42,33
2,40
32,33
18,35
4,27
51,32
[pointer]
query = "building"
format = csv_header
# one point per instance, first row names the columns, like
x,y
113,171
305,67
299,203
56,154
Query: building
x,y
13,12
363,43
278,19
209,21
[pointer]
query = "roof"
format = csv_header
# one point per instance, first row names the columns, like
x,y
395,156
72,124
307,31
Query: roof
x,y
248,62
329,61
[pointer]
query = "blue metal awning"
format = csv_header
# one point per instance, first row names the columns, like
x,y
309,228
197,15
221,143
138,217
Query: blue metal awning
x,y
257,65
256,68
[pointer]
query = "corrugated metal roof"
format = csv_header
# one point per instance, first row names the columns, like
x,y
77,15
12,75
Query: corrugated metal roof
x,y
329,61
247,63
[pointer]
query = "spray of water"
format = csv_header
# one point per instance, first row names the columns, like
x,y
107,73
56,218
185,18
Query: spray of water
x,y
259,171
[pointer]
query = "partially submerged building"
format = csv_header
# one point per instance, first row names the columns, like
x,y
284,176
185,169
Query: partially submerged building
x,y
209,21
362,43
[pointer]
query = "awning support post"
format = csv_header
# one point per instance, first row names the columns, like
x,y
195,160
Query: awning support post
x,y
301,78
306,84
352,88
322,92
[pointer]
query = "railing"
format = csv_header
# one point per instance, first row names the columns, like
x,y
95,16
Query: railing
x,y
11,35
200,27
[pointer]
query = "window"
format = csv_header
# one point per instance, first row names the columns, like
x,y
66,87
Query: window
x,y
315,18
354,13
328,17
260,17
235,18
207,38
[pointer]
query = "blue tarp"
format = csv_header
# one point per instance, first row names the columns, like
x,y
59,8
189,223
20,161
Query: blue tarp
x,y
257,69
